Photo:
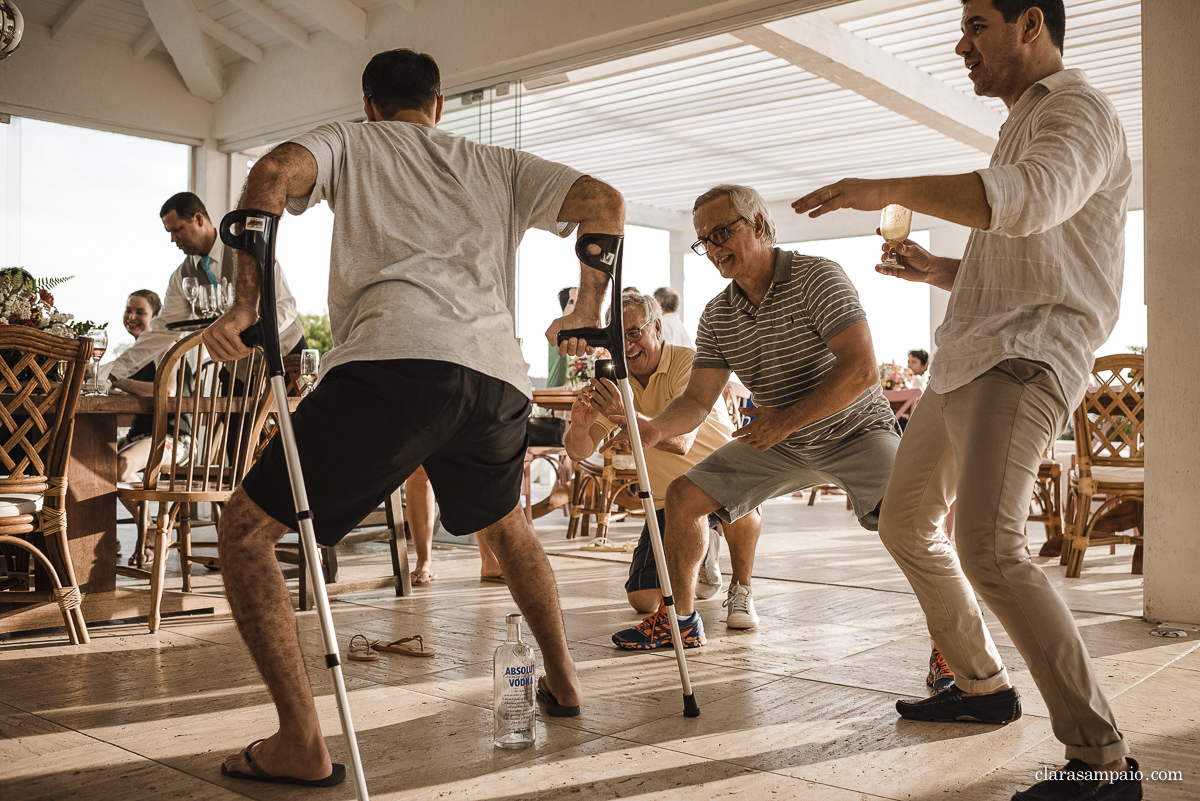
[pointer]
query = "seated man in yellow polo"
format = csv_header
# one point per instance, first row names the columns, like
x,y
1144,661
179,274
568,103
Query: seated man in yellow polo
x,y
659,373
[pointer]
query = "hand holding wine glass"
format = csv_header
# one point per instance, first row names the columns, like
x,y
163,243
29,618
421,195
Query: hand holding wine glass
x,y
310,366
895,224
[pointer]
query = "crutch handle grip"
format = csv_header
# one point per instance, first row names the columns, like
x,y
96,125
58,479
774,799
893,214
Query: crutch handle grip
x,y
252,337
596,337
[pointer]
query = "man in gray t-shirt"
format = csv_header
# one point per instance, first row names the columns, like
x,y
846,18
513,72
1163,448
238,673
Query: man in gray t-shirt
x,y
792,329
425,368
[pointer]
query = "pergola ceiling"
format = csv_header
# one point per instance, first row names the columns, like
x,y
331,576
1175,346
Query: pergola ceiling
x,y
869,88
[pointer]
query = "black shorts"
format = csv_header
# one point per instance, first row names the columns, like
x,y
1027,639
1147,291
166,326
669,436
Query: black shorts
x,y
643,573
368,425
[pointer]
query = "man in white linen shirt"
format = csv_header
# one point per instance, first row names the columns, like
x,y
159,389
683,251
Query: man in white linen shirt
x,y
206,260
1037,290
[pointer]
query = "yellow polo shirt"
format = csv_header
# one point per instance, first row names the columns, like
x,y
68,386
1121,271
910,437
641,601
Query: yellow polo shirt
x,y
666,384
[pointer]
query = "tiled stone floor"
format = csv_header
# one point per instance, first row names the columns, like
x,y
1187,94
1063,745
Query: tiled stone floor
x,y
800,708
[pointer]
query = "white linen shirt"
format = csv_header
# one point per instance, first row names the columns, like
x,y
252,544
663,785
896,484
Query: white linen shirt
x,y
1043,282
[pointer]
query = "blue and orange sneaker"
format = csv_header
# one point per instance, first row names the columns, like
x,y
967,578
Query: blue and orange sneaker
x,y
654,632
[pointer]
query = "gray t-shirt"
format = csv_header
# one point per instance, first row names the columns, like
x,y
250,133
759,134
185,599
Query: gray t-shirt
x,y
425,235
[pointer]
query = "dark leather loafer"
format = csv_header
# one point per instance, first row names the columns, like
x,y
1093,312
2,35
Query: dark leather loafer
x,y
1079,781
951,705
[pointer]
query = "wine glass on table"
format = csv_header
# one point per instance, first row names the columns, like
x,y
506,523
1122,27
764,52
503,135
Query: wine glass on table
x,y
99,339
310,365
190,285
209,298
895,224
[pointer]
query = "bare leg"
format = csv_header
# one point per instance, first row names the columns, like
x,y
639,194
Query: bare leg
x,y
532,584
644,601
742,536
130,463
488,564
686,539
418,511
262,608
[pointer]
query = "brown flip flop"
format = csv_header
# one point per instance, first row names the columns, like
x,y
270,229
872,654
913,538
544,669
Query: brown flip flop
x,y
399,647
360,650
494,579
418,581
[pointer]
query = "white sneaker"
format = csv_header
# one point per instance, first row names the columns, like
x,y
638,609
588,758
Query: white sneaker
x,y
710,581
741,608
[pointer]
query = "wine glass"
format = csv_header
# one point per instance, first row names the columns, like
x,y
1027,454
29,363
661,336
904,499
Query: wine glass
x,y
895,224
310,365
190,285
209,298
226,296
99,339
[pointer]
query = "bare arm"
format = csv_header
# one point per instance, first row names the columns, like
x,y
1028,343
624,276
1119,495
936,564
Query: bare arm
x,y
955,198
682,417
598,209
287,171
852,374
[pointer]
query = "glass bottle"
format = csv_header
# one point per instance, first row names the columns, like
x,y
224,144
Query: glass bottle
x,y
513,680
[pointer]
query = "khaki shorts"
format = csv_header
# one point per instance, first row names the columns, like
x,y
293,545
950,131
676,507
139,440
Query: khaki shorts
x,y
740,477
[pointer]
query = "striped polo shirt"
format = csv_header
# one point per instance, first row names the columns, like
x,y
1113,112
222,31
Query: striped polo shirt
x,y
780,349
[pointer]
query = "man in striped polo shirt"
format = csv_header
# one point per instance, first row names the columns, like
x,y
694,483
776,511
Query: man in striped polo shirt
x,y
792,329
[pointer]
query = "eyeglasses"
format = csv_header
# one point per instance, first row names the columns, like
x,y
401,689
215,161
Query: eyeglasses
x,y
635,334
716,237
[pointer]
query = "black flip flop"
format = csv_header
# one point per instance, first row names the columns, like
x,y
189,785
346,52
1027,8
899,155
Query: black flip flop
x,y
337,776
553,708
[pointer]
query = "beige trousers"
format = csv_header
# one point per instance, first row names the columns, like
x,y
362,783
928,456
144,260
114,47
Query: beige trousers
x,y
983,443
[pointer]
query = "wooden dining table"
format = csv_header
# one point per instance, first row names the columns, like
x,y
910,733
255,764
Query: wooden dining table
x,y
92,486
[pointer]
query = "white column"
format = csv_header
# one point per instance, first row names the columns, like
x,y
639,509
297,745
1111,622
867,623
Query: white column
x,y
12,194
680,246
1172,173
210,179
944,240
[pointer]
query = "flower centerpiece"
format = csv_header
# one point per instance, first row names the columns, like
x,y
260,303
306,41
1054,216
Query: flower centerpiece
x,y
25,300
895,376
583,368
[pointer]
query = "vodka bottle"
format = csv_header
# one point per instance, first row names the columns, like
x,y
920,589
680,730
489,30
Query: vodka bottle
x,y
513,681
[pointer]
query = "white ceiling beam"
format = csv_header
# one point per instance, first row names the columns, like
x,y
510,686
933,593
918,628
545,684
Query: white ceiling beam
x,y
657,217
68,19
234,41
178,24
274,20
825,49
340,17
148,41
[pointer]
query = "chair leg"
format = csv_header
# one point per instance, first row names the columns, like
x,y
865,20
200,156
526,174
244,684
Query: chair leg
x,y
394,507
812,496
1082,535
158,574
329,564
185,545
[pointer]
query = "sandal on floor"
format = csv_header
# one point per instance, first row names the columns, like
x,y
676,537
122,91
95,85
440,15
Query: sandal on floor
x,y
553,708
494,579
418,581
399,647
360,650
603,544
337,776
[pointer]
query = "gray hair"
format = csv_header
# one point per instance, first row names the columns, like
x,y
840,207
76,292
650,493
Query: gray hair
x,y
646,303
747,202
667,298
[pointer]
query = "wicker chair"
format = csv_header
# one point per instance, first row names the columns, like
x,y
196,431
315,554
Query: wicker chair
x,y
1110,452
37,418
205,464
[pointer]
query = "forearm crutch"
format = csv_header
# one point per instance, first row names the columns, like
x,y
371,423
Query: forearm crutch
x,y
608,260
254,232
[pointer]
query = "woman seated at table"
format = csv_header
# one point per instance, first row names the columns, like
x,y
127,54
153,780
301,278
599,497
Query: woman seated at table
x,y
141,308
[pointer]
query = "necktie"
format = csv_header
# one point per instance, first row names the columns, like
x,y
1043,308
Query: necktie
x,y
205,264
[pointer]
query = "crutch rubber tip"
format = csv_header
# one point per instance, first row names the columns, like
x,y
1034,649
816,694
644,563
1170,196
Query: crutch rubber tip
x,y
690,708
